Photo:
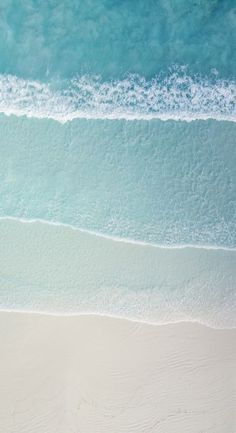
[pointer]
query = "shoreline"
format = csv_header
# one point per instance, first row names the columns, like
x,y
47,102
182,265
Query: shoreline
x,y
110,316
114,238
58,270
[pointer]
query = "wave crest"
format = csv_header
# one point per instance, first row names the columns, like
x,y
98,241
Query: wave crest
x,y
178,97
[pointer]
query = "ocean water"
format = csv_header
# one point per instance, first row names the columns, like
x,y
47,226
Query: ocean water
x,y
112,38
117,130
108,58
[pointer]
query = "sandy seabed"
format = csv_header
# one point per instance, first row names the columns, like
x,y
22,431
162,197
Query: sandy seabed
x,y
94,374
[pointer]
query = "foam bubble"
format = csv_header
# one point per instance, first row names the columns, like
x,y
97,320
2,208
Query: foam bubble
x,y
177,96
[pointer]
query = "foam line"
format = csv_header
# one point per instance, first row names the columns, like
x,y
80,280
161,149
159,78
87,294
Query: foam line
x,y
175,97
116,238
94,314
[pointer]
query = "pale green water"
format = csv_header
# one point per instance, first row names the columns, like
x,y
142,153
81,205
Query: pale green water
x,y
60,270
169,183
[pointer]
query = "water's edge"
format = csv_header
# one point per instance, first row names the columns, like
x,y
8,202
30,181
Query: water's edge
x,y
55,269
116,238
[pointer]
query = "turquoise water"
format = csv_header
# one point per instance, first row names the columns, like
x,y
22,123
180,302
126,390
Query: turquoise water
x,y
119,119
104,58
112,38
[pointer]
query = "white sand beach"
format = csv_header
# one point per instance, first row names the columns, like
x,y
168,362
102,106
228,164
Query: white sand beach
x,y
94,374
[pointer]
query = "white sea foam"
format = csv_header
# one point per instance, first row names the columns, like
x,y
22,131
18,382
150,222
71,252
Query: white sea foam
x,y
117,238
177,97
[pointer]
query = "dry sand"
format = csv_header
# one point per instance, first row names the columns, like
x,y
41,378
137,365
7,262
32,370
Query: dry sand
x,y
92,374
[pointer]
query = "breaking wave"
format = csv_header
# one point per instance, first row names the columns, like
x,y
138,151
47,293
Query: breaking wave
x,y
178,96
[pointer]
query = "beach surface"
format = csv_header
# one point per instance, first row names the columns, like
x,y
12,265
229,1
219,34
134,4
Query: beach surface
x,y
95,374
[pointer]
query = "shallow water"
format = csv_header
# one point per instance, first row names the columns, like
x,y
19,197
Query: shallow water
x,y
170,183
55,269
